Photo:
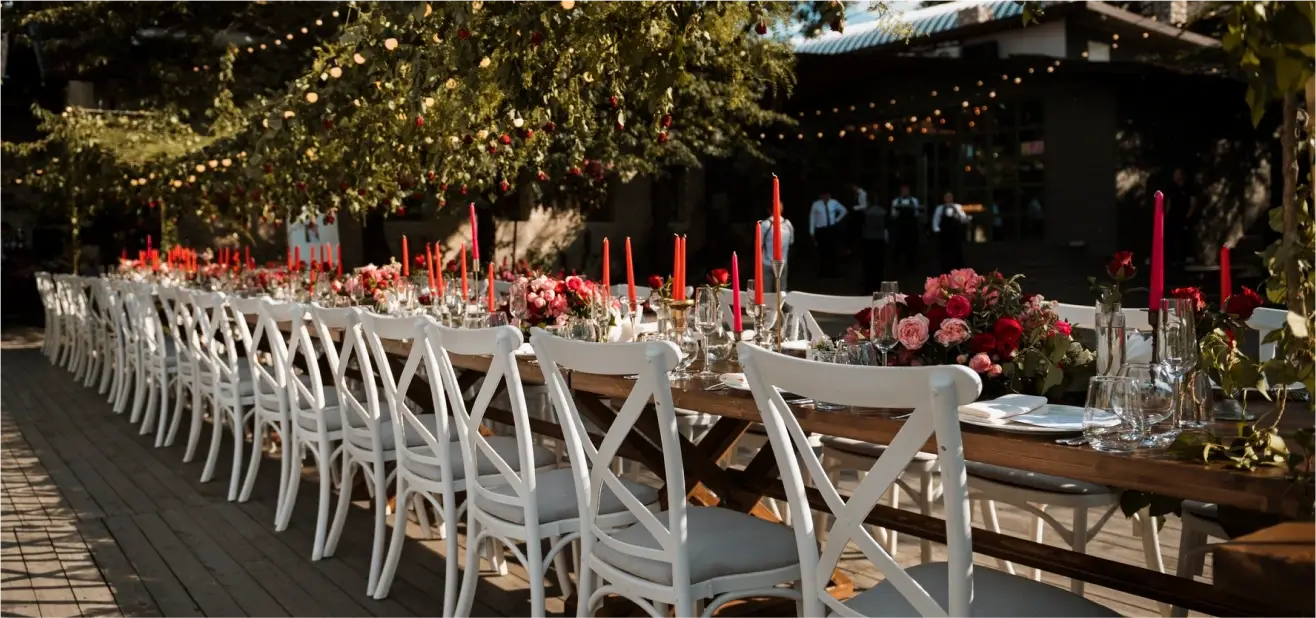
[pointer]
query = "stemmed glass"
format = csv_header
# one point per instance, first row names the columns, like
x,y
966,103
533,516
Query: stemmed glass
x,y
1177,342
708,319
884,317
1152,394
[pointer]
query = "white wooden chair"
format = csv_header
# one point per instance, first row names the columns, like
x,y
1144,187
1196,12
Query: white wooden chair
x,y
50,307
135,318
126,379
1266,321
174,302
929,589
228,376
1200,523
270,393
1085,316
316,423
159,364
482,466
684,557
802,305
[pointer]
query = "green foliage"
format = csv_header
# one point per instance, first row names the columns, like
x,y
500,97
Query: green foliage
x,y
1273,44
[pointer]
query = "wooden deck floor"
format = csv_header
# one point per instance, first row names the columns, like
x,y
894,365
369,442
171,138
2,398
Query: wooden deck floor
x,y
96,521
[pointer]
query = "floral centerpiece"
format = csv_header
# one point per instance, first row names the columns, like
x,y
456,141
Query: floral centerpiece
x,y
1016,342
718,278
370,282
543,301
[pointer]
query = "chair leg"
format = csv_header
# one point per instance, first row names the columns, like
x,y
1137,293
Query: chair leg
x,y
239,440
296,453
216,437
471,575
895,504
330,544
562,567
381,512
152,402
194,430
177,416
1080,545
1191,560
253,466
925,499
385,582
161,424
1151,549
994,524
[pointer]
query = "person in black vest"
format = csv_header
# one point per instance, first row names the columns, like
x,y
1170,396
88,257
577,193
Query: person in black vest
x,y
949,223
905,215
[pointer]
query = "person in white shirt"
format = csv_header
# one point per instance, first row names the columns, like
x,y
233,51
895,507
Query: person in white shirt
x,y
906,212
787,237
824,229
949,225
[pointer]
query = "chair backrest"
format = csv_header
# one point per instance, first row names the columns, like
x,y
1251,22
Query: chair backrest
x,y
146,320
214,345
378,331
746,300
306,398
591,467
934,393
270,315
253,332
174,301
501,343
1266,321
360,418
1085,316
802,306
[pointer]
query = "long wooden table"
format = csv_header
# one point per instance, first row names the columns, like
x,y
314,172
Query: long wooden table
x,y
1265,491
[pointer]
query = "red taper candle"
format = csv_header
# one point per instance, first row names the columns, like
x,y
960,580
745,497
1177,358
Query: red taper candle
x,y
776,218
736,324
630,273
406,258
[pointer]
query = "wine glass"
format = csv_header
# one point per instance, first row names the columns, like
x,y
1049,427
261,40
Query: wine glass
x,y
1152,394
884,317
1109,423
1176,340
708,319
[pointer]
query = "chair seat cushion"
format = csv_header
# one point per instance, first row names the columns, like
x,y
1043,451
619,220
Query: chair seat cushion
x,y
721,542
995,593
504,446
866,449
1033,480
1203,510
555,493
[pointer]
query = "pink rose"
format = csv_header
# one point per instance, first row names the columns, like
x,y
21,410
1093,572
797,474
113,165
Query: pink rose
x,y
980,363
548,295
965,280
559,304
994,372
912,332
538,302
574,284
953,331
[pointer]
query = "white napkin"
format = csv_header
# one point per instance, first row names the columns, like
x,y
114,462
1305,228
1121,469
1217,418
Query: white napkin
x,y
1002,408
1137,348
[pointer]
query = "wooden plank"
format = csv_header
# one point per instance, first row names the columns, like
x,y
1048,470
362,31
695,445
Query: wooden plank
x,y
170,596
199,582
1279,558
241,587
130,594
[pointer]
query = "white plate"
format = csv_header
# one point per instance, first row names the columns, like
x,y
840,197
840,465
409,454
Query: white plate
x,y
1049,419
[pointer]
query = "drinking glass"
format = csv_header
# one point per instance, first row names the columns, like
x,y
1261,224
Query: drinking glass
x,y
497,318
884,316
718,346
708,319
1198,409
689,341
582,329
860,353
830,355
1176,340
1109,422
1152,394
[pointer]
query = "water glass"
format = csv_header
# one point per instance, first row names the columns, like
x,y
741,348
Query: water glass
x,y
1197,410
830,355
497,318
688,340
1176,338
884,315
1110,423
708,319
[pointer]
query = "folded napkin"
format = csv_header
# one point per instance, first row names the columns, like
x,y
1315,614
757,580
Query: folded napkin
x,y
1002,408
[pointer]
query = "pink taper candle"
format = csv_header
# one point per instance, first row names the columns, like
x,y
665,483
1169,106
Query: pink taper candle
x,y
1226,283
406,258
1157,288
475,237
736,324
630,273
776,218
758,263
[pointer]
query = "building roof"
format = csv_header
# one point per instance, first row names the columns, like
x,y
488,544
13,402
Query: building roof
x,y
945,21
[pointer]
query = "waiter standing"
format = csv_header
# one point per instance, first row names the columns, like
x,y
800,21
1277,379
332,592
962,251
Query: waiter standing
x,y
824,228
949,223
905,215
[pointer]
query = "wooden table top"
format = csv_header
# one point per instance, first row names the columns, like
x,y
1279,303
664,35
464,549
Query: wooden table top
x,y
1265,490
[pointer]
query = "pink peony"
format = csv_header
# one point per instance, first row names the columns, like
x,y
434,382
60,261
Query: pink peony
x,y
559,304
932,291
965,280
912,332
980,363
953,331
548,295
994,372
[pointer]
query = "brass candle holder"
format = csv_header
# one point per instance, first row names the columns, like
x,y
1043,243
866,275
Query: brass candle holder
x,y
779,269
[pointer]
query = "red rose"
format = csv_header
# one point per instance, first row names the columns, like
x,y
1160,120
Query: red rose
x,y
1008,329
936,315
1064,328
959,307
719,276
1193,294
915,303
1121,265
1006,348
864,318
1242,304
655,281
982,342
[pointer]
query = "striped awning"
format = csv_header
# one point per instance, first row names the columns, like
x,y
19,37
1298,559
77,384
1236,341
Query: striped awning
x,y
922,23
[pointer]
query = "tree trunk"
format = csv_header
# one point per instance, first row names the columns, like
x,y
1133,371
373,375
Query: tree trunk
x,y
1289,146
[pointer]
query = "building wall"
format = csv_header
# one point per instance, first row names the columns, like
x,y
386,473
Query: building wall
x,y
1046,39
1080,166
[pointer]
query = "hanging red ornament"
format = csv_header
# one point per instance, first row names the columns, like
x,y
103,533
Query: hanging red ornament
x,y
574,171
420,121
662,137
503,186
620,127
328,124
667,121
361,192
443,186
528,134
463,34
269,169
612,100
505,139
402,211
301,186
549,127
329,217
542,176
761,27
430,175
536,38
